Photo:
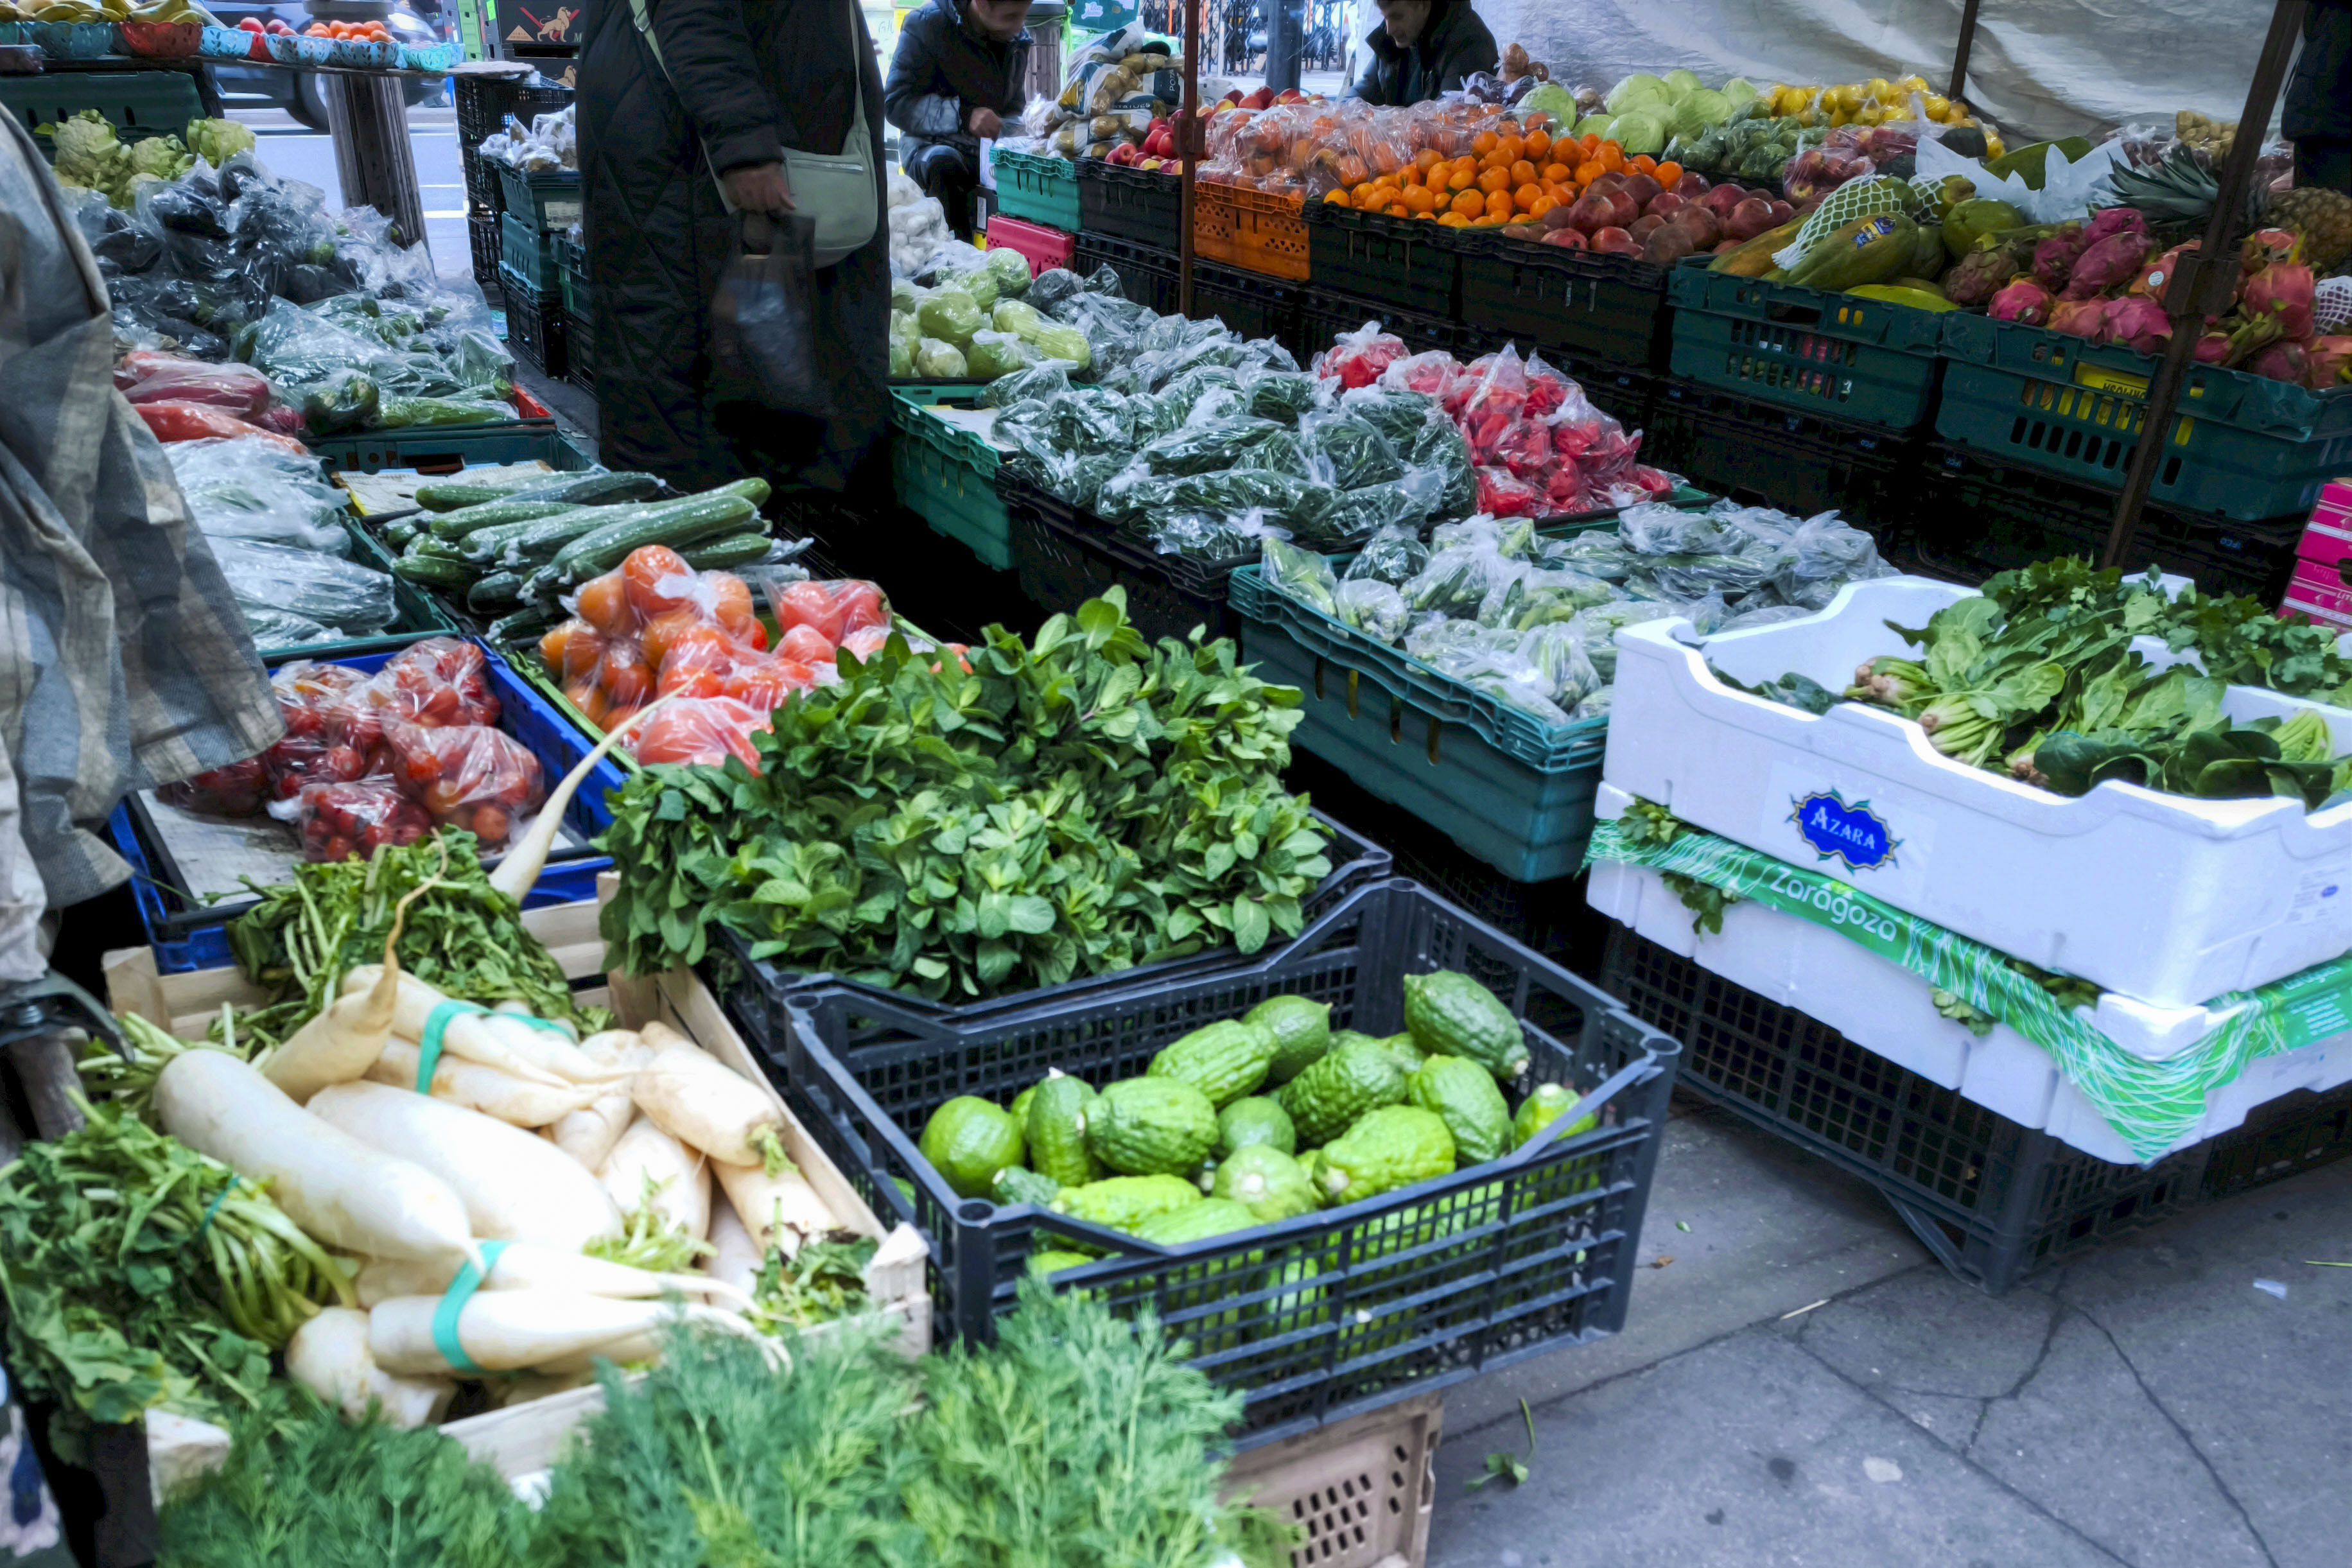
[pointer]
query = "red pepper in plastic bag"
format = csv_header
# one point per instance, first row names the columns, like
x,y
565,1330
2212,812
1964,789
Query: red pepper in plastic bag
x,y
469,776
1502,493
197,421
1358,358
341,820
240,389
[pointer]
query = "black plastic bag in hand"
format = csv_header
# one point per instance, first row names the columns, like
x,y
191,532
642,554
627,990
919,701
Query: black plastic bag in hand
x,y
763,318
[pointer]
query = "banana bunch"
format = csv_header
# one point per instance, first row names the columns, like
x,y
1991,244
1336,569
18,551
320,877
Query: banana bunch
x,y
2205,134
68,11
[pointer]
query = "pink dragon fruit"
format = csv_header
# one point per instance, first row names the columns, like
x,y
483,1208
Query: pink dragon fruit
x,y
2021,301
2136,324
2110,221
2328,362
2053,258
2109,264
2269,248
2281,362
2280,292
2078,318
2213,348
2156,275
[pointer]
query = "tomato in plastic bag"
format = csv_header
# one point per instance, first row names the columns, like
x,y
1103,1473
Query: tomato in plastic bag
x,y
327,739
806,644
471,776
438,682
865,642
704,730
833,609
240,789
341,820
698,661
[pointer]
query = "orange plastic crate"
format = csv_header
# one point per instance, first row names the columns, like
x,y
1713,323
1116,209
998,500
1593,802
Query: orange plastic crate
x,y
1251,229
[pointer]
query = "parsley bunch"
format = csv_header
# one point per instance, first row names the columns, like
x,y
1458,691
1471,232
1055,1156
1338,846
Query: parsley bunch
x,y
1080,803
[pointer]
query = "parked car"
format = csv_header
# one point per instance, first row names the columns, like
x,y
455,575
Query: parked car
x,y
297,92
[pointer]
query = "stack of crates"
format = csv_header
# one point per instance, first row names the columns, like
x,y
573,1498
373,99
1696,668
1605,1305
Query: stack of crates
x,y
484,101
578,333
543,212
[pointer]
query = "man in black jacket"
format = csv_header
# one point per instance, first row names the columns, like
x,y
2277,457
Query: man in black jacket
x,y
957,76
2318,114
744,80
1422,48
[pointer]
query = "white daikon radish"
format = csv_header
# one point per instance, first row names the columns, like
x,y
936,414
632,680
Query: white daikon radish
x,y
525,1265
691,1097
734,1259
328,1355
510,1331
342,1039
525,858
498,1040
518,1102
515,1187
649,1166
779,1211
588,1135
348,1194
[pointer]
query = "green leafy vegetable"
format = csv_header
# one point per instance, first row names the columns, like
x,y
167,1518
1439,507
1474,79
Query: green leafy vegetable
x,y
822,1281
651,1242
1071,806
1510,1467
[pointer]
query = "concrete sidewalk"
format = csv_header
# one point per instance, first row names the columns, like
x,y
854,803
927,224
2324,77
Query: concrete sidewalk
x,y
2144,1406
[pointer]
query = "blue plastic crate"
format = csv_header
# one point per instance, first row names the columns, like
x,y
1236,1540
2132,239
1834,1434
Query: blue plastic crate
x,y
188,937
1511,790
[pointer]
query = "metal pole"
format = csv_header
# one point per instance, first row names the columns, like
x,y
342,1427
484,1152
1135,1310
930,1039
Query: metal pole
x,y
1191,142
2203,280
1960,56
1285,35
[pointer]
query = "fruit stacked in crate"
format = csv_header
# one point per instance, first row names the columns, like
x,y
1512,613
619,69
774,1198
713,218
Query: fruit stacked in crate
x,y
2321,589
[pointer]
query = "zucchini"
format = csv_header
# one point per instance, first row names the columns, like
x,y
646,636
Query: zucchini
x,y
433,571
713,514
734,550
466,519
494,592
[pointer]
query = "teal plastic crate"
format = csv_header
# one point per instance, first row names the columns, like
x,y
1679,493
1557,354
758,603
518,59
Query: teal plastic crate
x,y
1040,189
528,253
2241,447
1860,360
1509,789
571,275
136,104
546,201
449,447
947,476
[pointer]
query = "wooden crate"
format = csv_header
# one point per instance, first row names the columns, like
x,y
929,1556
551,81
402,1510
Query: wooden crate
x,y
1361,1489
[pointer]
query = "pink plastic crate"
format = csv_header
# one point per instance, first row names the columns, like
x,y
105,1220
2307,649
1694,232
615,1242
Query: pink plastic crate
x,y
2299,606
2327,537
1044,249
2322,583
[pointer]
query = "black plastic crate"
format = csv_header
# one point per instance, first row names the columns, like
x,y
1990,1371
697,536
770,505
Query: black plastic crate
x,y
482,238
1799,462
1125,203
1992,1200
1320,1316
534,324
1148,275
1250,303
1402,262
1324,314
579,352
483,103
1578,305
1064,558
1978,515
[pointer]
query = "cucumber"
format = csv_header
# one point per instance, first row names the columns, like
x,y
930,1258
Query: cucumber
x,y
398,532
594,489
466,519
494,592
427,544
433,571
735,550
713,514
458,493
538,540
525,625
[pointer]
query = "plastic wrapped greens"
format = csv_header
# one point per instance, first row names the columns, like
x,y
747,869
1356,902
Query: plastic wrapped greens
x,y
1215,536
1303,574
1406,501
1282,395
1557,653
938,360
1372,607
1356,454
995,354
1209,446
354,599
1438,445
1393,555
1281,452
251,490
1033,384
953,316
1050,288
275,628
1399,415
1821,556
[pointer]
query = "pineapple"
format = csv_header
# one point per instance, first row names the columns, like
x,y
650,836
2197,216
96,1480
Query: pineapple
x,y
2323,218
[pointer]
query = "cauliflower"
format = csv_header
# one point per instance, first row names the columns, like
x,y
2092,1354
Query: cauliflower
x,y
160,157
87,153
218,141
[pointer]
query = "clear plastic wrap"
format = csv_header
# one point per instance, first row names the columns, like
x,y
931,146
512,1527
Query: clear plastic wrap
x,y
323,741
353,598
1303,574
1373,607
467,775
250,490
440,682
240,789
1393,555
1219,536
1359,358
699,730
337,821
148,376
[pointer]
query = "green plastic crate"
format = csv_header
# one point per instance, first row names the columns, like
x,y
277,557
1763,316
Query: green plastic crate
x,y
571,275
546,201
136,104
1509,789
963,394
528,253
1860,360
1041,189
2241,447
449,447
946,477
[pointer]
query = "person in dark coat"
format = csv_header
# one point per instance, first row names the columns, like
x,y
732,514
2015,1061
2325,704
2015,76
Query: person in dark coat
x,y
957,76
2318,114
1422,48
746,80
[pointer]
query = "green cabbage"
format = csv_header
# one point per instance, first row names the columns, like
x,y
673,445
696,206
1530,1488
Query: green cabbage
x,y
1056,341
1596,125
1553,100
1012,315
1698,110
940,362
1012,272
981,284
1681,84
951,315
1639,131
1741,92
905,329
993,354
905,296
902,360
1638,89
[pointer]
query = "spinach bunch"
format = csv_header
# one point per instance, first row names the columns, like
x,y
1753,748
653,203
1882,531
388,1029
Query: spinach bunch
x,y
1076,804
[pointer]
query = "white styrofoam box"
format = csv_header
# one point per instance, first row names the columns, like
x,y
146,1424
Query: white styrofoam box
x,y
2157,896
1885,1008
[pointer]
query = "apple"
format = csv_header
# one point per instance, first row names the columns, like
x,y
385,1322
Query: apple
x,y
1262,98
1749,219
1641,188
250,25
1125,155
1593,212
1232,95
1662,205
1693,185
1567,239
1645,226
1613,241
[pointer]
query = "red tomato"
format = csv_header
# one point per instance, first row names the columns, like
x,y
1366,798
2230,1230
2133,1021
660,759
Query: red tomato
x,y
809,605
806,645
658,580
860,604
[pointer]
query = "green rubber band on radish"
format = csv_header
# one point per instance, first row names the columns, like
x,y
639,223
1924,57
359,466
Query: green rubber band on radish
x,y
428,1049
213,1211
453,1306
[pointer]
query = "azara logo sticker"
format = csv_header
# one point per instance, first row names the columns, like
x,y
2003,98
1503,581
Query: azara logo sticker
x,y
1853,834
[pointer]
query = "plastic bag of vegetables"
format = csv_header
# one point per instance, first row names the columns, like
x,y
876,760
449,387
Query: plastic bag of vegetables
x,y
355,599
952,316
993,354
1303,574
938,360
